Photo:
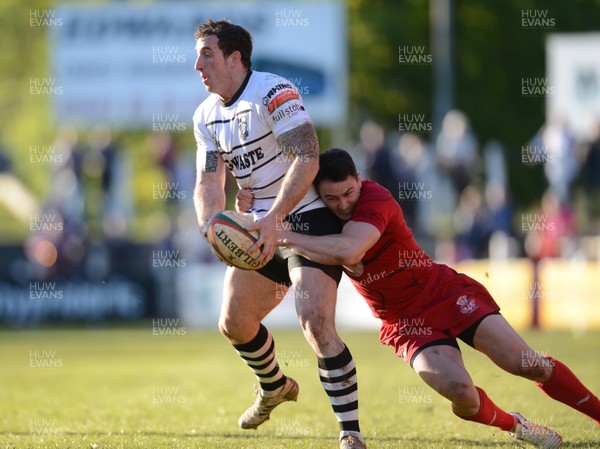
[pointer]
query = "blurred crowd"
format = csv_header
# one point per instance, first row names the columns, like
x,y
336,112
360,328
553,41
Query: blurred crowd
x,y
455,193
107,211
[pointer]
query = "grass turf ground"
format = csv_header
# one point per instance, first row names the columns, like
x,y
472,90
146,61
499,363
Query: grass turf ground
x,y
128,388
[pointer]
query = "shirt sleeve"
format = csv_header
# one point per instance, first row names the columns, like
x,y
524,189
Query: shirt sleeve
x,y
206,149
282,106
374,208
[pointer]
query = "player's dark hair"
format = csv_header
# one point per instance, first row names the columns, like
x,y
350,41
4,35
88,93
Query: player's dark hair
x,y
335,165
231,38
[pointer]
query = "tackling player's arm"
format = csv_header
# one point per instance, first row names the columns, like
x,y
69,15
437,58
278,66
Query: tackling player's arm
x,y
209,193
300,143
347,248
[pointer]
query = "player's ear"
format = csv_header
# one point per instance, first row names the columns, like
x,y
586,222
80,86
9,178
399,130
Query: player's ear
x,y
235,57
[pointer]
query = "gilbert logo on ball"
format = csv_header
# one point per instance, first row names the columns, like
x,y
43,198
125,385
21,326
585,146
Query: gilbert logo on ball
x,y
230,240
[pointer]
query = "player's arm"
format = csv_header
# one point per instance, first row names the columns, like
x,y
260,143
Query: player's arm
x,y
209,193
347,248
300,143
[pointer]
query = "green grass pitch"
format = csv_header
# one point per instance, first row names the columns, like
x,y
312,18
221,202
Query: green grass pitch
x,y
129,388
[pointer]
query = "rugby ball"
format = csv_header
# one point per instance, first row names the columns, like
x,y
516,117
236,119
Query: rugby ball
x,y
230,241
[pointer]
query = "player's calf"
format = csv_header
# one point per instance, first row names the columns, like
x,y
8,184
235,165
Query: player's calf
x,y
533,366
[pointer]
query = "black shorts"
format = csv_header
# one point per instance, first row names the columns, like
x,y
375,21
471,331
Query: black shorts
x,y
467,336
314,222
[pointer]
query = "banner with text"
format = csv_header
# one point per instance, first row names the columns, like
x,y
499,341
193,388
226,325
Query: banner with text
x,y
132,65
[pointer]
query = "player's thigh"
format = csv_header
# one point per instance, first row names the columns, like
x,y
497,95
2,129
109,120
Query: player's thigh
x,y
442,368
497,339
247,298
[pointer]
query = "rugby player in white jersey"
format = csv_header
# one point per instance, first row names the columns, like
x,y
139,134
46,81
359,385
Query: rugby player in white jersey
x,y
255,125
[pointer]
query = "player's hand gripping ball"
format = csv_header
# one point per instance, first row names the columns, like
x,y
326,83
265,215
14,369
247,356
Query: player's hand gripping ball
x,y
230,241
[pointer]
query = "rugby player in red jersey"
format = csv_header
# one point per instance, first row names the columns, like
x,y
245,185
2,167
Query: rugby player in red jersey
x,y
425,306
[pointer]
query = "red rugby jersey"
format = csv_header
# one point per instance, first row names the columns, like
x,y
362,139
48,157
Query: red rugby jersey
x,y
396,269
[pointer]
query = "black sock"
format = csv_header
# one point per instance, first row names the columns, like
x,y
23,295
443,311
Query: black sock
x,y
338,377
259,355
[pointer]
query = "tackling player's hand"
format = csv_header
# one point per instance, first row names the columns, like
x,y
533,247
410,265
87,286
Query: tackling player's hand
x,y
267,238
243,200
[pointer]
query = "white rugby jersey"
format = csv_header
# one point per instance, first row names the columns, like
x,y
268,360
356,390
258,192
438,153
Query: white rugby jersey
x,y
244,132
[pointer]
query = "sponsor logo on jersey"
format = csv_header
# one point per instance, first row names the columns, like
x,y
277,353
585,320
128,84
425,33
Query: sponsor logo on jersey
x,y
244,161
282,98
243,127
274,90
278,116
290,112
467,305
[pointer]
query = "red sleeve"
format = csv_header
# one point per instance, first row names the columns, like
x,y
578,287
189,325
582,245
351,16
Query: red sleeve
x,y
374,206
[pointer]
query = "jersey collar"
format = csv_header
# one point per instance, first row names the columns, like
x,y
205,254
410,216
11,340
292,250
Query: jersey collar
x,y
239,91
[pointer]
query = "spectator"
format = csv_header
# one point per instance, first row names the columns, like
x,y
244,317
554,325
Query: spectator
x,y
410,152
495,164
499,207
472,224
378,156
555,144
66,206
416,175
456,148
114,205
550,230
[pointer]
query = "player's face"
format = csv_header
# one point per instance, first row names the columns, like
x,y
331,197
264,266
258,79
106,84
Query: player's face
x,y
341,197
214,68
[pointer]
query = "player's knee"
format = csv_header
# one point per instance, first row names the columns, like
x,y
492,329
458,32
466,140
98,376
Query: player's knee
x,y
462,394
224,328
231,331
